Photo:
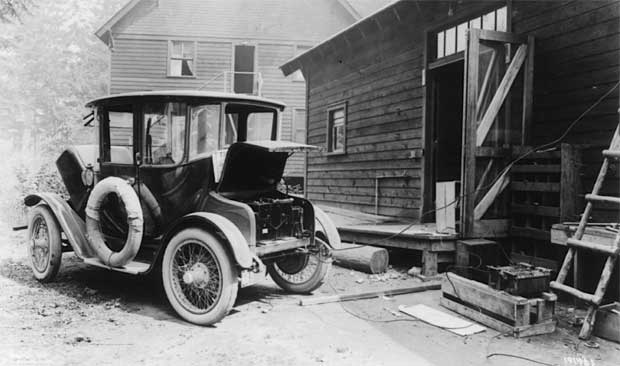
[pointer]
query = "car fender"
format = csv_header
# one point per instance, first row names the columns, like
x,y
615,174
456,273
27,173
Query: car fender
x,y
327,227
234,238
71,223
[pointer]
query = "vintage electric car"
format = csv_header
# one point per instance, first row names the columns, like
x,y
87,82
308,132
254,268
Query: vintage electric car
x,y
184,183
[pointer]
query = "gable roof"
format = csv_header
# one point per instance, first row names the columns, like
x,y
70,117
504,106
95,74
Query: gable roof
x,y
278,19
363,8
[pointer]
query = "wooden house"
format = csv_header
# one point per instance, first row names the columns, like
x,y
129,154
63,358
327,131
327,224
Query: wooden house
x,y
427,92
232,46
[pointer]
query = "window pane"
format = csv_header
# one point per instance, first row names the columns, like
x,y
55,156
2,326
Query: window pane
x,y
260,126
177,49
175,67
450,41
204,130
440,44
460,37
164,133
335,140
121,135
187,68
475,23
502,19
188,50
300,126
488,21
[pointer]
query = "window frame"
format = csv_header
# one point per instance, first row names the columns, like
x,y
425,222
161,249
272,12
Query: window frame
x,y
171,58
328,137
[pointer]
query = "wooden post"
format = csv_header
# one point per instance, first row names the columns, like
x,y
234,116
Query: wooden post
x,y
468,167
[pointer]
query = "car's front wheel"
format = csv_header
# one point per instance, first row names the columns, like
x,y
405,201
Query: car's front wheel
x,y
199,277
302,272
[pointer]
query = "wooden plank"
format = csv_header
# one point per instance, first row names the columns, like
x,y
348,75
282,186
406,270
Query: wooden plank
x,y
369,295
479,294
445,206
476,316
490,197
500,95
535,210
535,186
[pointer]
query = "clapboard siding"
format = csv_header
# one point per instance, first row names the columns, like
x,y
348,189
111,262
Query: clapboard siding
x,y
577,58
376,67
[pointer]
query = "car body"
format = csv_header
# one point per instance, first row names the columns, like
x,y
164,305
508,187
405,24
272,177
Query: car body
x,y
185,183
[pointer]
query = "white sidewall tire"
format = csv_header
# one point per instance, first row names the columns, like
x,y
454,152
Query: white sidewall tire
x,y
228,272
43,212
315,281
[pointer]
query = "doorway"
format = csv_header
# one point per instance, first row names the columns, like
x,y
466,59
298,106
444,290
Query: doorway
x,y
447,108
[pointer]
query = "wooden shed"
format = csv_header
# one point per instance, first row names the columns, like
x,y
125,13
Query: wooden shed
x,y
425,104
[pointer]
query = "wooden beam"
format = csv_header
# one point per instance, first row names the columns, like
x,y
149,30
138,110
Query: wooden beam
x,y
468,164
500,95
504,37
370,295
488,199
484,89
528,92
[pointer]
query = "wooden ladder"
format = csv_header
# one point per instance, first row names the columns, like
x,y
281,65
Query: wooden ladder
x,y
576,243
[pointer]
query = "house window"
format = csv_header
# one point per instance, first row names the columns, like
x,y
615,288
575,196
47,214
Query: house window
x,y
453,39
336,129
182,58
297,75
299,125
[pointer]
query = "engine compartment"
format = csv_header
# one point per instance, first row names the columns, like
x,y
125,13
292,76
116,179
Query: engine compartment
x,y
279,217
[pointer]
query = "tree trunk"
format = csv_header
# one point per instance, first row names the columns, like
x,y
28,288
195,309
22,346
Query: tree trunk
x,y
362,258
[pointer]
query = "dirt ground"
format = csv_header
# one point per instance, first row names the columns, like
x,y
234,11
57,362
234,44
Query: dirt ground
x,y
105,318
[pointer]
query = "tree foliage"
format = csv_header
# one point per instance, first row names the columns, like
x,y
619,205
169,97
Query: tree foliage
x,y
53,64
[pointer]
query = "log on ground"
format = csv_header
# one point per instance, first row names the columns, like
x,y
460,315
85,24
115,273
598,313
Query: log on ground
x,y
362,258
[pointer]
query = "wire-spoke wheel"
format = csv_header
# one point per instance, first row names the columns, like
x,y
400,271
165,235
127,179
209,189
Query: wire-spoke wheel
x,y
199,279
302,272
44,244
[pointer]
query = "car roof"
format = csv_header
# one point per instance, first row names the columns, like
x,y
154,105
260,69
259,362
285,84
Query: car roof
x,y
188,94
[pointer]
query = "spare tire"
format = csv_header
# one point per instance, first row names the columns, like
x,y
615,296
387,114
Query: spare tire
x,y
134,221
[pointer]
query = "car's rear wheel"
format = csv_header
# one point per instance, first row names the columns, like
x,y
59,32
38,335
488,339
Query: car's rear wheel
x,y
302,272
44,244
199,278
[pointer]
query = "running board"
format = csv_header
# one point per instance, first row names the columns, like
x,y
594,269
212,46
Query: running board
x,y
132,267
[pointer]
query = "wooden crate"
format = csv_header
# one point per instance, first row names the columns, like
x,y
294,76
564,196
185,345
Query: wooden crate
x,y
515,315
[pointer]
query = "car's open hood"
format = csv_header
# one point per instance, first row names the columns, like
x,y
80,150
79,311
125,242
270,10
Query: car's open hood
x,y
257,165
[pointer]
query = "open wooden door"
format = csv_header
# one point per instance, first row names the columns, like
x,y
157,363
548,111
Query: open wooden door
x,y
496,116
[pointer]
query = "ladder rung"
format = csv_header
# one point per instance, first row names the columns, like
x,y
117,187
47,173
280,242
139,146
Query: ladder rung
x,y
610,251
572,291
597,198
611,153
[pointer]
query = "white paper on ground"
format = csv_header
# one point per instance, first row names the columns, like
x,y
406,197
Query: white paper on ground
x,y
442,320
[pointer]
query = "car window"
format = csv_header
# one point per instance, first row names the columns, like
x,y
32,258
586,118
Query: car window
x,y
204,130
120,124
164,133
260,126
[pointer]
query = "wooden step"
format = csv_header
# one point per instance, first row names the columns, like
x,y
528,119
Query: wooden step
x,y
595,247
611,153
572,291
597,198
